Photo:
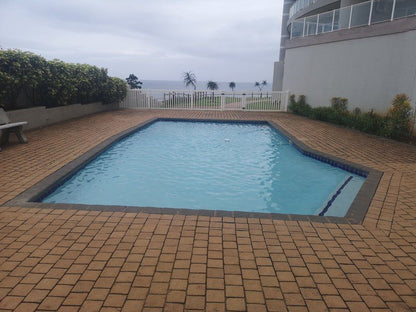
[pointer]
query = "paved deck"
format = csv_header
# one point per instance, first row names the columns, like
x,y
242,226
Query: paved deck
x,y
69,260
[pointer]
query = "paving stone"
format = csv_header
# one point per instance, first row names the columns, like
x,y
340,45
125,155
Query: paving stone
x,y
79,260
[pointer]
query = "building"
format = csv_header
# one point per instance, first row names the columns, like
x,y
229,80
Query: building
x,y
362,50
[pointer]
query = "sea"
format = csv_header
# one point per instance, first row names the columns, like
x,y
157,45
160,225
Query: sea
x,y
201,85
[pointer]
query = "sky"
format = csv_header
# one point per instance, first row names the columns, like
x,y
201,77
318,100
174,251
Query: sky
x,y
219,40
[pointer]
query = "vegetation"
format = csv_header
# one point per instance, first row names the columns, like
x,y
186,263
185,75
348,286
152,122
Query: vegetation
x,y
399,117
396,124
53,83
189,79
260,85
232,85
134,82
212,85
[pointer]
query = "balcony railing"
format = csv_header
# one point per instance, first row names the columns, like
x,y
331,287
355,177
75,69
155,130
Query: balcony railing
x,y
361,14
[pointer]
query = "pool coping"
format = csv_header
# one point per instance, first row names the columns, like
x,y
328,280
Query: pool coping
x,y
355,214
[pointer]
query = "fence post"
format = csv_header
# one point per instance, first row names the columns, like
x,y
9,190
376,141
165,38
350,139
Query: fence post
x,y
243,101
286,102
222,101
147,101
192,99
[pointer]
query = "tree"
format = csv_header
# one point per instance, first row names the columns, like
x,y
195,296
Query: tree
x,y
212,85
189,79
232,85
134,82
260,85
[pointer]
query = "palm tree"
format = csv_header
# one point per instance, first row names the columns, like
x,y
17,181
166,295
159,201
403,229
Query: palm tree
x,y
212,85
189,79
260,85
232,85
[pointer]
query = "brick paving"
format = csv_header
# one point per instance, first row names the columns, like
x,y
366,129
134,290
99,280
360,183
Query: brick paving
x,y
73,260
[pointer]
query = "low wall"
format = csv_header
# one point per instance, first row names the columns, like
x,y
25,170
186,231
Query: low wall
x,y
41,116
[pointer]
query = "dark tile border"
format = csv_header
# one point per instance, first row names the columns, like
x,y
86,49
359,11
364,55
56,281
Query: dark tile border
x,y
355,215
362,201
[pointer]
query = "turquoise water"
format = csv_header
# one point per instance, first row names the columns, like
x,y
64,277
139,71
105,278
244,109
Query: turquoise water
x,y
210,165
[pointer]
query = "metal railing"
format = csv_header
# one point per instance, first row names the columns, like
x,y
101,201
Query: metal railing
x,y
365,13
206,100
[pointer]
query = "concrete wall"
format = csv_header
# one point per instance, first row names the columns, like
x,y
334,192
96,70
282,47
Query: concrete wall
x,y
368,71
41,116
284,37
278,76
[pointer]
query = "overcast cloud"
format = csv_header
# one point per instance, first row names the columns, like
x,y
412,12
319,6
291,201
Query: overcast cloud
x,y
220,40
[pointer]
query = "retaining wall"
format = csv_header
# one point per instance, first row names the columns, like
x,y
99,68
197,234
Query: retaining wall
x,y
41,116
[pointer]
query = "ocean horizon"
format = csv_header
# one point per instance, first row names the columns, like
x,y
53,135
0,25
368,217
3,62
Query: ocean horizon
x,y
201,85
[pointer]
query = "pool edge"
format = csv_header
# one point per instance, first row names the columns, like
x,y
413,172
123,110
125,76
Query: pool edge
x,y
355,214
359,207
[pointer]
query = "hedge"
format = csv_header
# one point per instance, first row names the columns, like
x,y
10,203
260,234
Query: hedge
x,y
54,83
396,124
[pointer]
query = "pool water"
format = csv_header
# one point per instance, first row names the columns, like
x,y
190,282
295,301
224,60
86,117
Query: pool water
x,y
211,165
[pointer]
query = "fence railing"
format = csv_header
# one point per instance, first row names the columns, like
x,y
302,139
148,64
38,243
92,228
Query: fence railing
x,y
365,13
206,100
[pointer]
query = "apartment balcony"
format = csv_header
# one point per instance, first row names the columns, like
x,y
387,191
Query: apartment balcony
x,y
302,7
361,14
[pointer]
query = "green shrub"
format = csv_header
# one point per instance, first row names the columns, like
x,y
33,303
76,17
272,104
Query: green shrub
x,y
398,119
396,124
115,90
59,86
339,104
19,72
370,122
323,113
331,115
356,111
54,83
292,101
300,107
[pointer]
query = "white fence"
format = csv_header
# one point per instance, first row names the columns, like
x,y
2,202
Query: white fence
x,y
206,100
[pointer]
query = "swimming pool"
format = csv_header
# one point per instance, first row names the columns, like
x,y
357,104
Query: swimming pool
x,y
213,166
